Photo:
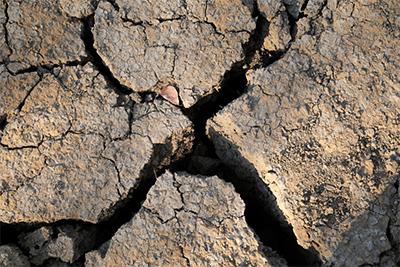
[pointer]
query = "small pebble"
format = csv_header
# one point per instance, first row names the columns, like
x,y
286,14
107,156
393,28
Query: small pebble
x,y
170,94
148,97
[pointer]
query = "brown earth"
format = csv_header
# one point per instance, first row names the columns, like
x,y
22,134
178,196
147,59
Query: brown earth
x,y
283,147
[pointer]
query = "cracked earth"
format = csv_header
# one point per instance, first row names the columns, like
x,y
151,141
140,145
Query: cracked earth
x,y
199,133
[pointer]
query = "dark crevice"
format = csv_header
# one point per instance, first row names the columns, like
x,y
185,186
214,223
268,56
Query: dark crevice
x,y
161,20
124,211
234,84
133,23
93,56
259,215
232,87
20,147
302,11
269,57
323,6
114,4
261,212
263,220
292,26
95,59
118,215
3,122
56,262
9,232
257,39
304,5
21,105
127,208
6,33
47,68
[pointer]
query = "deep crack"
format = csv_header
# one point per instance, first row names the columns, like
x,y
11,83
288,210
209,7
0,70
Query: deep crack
x,y
121,213
233,85
3,122
265,224
259,213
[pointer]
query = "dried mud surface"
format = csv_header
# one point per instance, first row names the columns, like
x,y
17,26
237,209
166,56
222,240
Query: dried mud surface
x,y
199,133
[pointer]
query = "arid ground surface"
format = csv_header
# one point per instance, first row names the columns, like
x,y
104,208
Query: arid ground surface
x,y
199,133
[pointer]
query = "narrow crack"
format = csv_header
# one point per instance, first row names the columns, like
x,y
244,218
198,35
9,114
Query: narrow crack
x,y
3,117
96,60
104,70
49,67
184,256
118,174
22,104
6,33
21,147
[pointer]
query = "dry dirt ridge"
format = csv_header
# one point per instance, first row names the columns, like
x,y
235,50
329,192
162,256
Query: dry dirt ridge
x,y
284,148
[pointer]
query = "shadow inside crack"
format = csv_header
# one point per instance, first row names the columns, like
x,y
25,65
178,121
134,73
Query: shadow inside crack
x,y
162,157
124,210
262,213
96,60
365,236
232,85
3,122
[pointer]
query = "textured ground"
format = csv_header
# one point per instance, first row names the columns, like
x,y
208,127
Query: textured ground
x,y
199,133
